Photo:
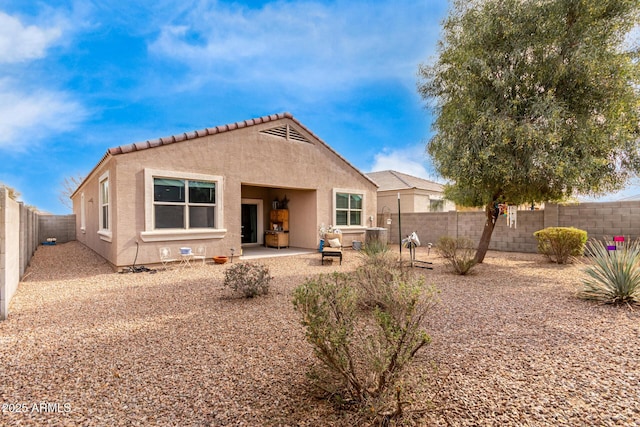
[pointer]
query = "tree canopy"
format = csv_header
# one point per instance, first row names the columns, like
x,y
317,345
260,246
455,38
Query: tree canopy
x,y
534,101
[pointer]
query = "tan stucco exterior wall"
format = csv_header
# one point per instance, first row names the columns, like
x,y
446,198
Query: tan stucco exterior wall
x,y
411,201
266,166
87,199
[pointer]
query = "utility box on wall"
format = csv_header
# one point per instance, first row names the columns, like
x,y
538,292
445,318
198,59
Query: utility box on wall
x,y
375,233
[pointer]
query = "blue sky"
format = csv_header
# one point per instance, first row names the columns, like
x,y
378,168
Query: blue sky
x,y
80,76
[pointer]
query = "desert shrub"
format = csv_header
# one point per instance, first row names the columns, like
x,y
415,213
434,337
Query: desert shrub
x,y
561,243
249,279
459,252
376,274
613,276
363,350
375,247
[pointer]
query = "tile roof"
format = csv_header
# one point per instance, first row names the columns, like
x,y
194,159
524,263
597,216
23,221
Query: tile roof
x,y
392,180
123,149
145,145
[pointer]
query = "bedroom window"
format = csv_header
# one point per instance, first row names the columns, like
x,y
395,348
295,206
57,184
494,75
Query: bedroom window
x,y
104,208
83,215
104,204
348,209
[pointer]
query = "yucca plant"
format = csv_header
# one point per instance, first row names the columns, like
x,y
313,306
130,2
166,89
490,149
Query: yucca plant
x,y
614,276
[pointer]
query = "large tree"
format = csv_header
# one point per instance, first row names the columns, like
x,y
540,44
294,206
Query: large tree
x,y
534,101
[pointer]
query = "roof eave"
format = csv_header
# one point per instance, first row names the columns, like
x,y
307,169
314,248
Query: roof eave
x,y
129,148
102,161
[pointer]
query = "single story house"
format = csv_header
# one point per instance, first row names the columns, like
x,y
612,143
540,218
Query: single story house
x,y
216,188
416,194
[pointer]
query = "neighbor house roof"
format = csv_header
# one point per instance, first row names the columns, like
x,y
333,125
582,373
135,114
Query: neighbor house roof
x,y
392,180
138,146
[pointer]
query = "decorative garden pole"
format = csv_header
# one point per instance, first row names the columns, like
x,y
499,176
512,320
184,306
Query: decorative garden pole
x,y
399,227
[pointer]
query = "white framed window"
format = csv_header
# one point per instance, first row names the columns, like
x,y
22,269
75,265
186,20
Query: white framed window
x,y
182,206
83,215
348,208
183,203
104,206
436,205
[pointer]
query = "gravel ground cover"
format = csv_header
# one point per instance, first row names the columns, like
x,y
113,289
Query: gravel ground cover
x,y
512,345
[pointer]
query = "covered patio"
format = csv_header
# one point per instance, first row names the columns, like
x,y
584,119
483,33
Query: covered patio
x,y
257,252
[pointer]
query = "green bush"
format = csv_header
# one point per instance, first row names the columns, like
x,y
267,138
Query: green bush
x,y
249,279
364,349
561,243
459,252
613,276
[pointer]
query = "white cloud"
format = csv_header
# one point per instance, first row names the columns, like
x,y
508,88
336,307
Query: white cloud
x,y
629,193
309,45
29,111
19,43
632,39
411,160
31,116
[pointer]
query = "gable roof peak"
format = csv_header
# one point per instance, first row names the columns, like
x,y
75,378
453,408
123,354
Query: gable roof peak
x,y
137,146
393,180
124,149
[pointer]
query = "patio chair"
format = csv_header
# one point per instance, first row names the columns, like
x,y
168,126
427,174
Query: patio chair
x,y
200,253
332,246
165,256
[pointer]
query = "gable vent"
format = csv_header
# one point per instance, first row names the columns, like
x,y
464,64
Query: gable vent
x,y
297,136
287,132
280,131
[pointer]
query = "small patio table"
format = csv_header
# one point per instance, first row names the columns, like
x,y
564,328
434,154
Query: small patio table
x,y
186,258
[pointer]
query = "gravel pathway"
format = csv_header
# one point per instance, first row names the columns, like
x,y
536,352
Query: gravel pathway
x,y
512,345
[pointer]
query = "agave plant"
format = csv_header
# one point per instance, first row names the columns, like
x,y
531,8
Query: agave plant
x,y
613,276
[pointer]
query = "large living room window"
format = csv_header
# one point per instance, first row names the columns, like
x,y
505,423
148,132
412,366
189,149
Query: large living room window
x,y
184,203
348,209
182,206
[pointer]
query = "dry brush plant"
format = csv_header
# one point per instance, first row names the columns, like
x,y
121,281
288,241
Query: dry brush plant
x,y
365,340
459,252
374,248
613,276
249,279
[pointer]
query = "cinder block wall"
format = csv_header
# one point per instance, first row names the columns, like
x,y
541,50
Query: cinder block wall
x,y
603,220
600,220
520,238
9,250
61,227
20,234
28,236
